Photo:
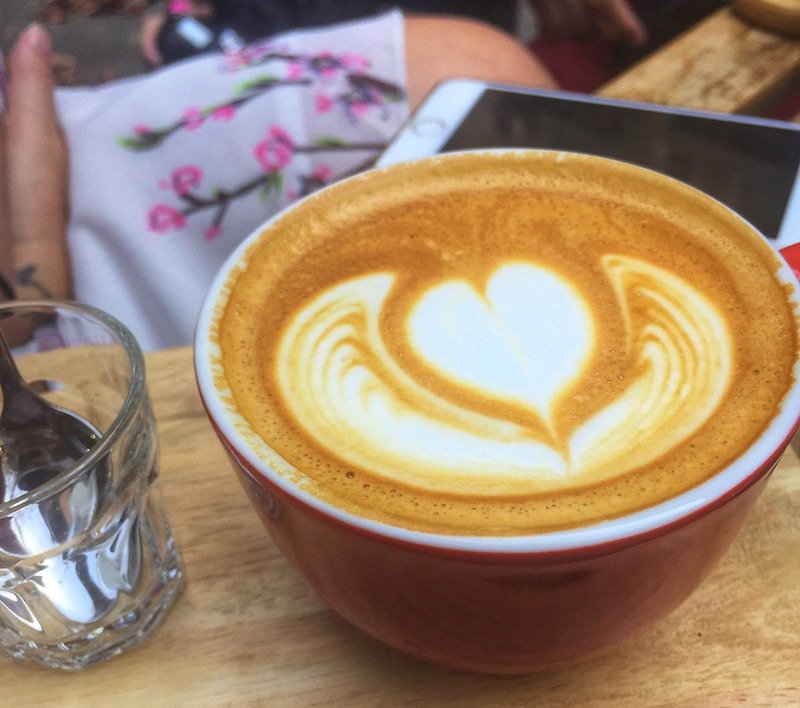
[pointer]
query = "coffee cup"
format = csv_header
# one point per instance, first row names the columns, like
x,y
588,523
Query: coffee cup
x,y
503,409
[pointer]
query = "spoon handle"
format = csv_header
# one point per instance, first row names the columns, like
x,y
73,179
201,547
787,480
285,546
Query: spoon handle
x,y
10,378
21,406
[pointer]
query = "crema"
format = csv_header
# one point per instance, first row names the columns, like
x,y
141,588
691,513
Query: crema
x,y
506,343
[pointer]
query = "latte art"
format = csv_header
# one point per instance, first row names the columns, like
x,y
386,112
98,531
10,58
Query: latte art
x,y
505,344
524,341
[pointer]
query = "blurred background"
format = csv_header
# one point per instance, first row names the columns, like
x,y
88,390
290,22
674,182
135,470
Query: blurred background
x,y
97,40
94,40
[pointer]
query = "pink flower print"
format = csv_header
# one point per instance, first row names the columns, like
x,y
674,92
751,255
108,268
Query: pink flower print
x,y
193,118
185,178
323,174
306,184
242,57
224,113
354,62
326,64
247,55
294,70
359,108
162,217
233,61
276,151
142,129
258,51
213,232
323,103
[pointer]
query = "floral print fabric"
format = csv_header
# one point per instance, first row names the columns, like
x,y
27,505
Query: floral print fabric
x,y
170,171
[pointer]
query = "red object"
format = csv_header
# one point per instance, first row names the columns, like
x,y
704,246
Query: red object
x,y
180,7
791,255
491,612
577,66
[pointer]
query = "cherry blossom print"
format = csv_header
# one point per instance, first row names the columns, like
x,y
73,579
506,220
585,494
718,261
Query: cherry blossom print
x,y
325,64
294,70
336,80
185,178
213,232
355,62
162,218
323,103
323,173
276,151
273,155
193,118
359,108
306,184
224,113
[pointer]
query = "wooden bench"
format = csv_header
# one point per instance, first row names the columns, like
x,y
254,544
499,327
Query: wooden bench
x,y
721,64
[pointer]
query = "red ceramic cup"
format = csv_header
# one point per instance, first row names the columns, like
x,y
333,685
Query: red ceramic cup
x,y
499,604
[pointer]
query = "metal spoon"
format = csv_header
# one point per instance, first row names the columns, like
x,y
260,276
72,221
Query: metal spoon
x,y
37,438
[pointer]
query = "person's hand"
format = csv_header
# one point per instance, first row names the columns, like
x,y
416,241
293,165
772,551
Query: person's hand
x,y
33,178
613,20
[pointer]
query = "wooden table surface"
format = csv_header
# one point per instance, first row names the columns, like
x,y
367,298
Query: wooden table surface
x,y
721,64
248,631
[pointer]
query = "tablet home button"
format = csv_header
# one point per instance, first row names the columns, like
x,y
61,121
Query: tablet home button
x,y
428,126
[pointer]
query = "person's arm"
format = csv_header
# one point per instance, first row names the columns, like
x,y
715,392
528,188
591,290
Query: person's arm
x,y
440,48
33,178
614,20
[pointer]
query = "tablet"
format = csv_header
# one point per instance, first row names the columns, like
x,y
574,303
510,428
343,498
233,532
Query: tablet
x,y
750,164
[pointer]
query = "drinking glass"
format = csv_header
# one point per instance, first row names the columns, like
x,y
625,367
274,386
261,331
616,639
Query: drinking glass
x,y
88,562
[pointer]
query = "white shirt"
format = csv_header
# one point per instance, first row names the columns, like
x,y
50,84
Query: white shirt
x,y
171,170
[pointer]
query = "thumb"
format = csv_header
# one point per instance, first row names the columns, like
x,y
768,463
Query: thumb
x,y
36,162
31,107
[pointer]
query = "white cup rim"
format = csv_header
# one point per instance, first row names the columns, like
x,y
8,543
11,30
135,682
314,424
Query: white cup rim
x,y
754,463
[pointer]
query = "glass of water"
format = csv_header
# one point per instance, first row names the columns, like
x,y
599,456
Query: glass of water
x,y
88,563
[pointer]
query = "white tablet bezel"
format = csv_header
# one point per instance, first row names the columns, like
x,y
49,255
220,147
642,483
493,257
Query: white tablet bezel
x,y
449,104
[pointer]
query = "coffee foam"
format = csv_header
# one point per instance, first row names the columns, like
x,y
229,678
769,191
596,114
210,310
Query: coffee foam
x,y
608,353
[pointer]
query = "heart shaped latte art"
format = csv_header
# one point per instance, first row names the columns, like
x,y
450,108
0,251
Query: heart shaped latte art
x,y
523,339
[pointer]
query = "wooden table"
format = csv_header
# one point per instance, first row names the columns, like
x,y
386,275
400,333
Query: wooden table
x,y
248,631
721,64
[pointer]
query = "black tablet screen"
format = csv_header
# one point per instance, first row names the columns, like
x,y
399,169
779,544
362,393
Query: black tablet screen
x,y
748,164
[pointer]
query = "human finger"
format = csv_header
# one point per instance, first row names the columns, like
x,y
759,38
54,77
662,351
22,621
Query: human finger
x,y
36,164
149,30
617,21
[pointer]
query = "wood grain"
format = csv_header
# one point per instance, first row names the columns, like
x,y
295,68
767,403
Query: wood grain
x,y
248,631
721,64
781,16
